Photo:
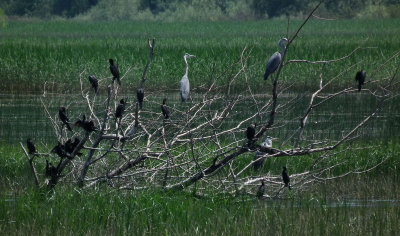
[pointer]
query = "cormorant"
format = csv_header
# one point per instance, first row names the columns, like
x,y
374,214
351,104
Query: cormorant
x,y
261,190
285,177
31,146
360,77
94,82
70,146
51,170
114,71
120,109
59,149
86,125
62,113
164,109
251,131
140,96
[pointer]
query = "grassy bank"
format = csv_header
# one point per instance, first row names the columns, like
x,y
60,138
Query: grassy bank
x,y
319,211
34,52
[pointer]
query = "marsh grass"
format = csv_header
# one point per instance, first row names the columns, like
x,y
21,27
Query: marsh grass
x,y
34,52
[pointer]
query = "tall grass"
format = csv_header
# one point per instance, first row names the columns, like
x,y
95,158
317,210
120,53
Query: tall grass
x,y
34,52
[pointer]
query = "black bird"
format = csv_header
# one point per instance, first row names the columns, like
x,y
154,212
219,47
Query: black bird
x,y
86,125
251,131
62,113
94,82
261,189
114,71
258,164
59,149
285,177
120,109
164,109
31,146
70,146
360,77
140,96
51,170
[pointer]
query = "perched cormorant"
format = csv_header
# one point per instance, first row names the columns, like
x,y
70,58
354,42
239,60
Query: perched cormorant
x,y
140,96
94,82
59,149
164,109
258,164
360,77
261,189
285,177
62,113
51,170
114,71
251,131
86,125
31,146
120,109
70,146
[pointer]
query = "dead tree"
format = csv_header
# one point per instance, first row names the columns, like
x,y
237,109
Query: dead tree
x,y
203,143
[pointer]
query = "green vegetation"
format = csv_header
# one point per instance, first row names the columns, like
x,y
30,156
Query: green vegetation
x,y
58,51
340,207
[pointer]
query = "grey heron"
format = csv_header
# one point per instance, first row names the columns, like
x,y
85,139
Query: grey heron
x,y
94,82
164,109
140,97
31,146
261,189
184,86
114,71
360,77
62,113
285,177
275,59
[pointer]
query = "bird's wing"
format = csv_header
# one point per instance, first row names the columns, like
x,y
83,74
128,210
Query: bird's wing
x,y
273,63
184,87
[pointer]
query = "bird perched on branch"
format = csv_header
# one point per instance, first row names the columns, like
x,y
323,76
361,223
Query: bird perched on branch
x,y
276,59
285,177
120,109
251,131
59,149
51,171
70,146
114,71
94,82
360,77
184,86
164,109
31,146
140,97
88,126
62,113
257,164
261,190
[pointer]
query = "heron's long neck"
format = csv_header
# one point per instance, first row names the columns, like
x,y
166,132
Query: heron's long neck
x,y
282,45
187,67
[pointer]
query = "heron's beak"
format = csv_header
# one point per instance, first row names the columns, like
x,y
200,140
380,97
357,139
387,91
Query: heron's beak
x,y
190,56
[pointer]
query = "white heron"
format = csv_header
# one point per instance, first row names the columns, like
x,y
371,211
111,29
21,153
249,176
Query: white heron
x,y
184,86
276,59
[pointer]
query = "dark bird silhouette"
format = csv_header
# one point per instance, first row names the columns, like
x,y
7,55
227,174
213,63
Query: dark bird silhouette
x,y
94,82
59,149
114,71
261,189
164,109
360,77
70,146
259,163
62,113
88,126
51,170
251,132
285,177
120,109
140,97
31,146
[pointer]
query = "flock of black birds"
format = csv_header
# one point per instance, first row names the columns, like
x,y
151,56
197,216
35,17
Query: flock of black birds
x,y
65,151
